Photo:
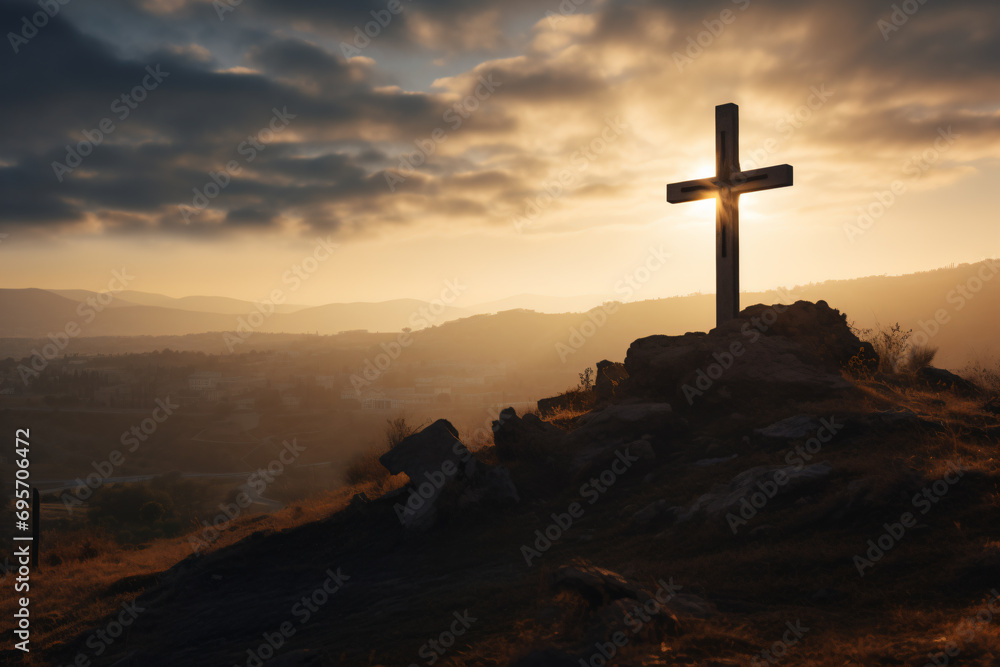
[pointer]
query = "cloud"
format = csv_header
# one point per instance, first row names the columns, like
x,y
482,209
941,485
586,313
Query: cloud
x,y
558,79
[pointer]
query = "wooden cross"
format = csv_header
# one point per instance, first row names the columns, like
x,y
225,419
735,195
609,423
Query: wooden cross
x,y
727,186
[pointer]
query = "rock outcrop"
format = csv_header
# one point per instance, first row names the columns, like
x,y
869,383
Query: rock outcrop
x,y
610,375
939,379
757,487
435,459
517,438
773,354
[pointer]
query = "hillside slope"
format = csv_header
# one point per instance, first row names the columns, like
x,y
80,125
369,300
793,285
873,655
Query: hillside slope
x,y
787,510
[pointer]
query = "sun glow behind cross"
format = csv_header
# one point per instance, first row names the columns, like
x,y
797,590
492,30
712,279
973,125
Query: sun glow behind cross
x,y
703,209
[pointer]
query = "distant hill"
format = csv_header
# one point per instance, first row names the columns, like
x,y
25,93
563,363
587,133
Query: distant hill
x,y
579,340
959,295
541,304
199,304
36,313
384,316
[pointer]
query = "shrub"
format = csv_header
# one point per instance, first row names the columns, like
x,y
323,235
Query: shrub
x,y
366,467
920,356
890,344
860,366
985,374
397,430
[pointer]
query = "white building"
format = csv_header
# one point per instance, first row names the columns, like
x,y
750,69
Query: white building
x,y
204,380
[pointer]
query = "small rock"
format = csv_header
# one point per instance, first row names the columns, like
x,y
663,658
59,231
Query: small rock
x,y
793,428
796,482
642,449
704,463
596,584
657,511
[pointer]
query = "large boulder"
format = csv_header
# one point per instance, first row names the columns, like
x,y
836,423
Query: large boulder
x,y
435,460
425,452
769,355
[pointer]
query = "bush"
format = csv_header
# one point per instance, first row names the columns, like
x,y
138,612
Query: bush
x,y
397,430
891,345
986,375
366,467
920,356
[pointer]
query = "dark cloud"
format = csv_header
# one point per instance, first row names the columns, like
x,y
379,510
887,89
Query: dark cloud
x,y
351,126
63,85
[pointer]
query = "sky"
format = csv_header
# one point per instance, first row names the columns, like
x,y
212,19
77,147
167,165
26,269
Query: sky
x,y
386,149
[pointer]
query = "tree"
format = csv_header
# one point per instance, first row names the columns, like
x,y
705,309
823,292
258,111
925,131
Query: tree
x,y
587,379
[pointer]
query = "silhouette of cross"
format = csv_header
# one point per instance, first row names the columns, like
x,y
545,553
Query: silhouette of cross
x,y
727,186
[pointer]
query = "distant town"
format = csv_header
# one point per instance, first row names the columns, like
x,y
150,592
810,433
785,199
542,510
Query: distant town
x,y
288,380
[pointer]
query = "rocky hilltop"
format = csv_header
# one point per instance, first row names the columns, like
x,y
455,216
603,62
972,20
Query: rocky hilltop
x,y
752,495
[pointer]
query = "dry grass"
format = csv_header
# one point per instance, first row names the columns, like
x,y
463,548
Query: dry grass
x,y
365,467
985,374
906,614
95,576
565,416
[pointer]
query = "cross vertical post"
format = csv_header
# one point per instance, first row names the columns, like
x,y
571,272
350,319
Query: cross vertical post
x,y
727,214
729,183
